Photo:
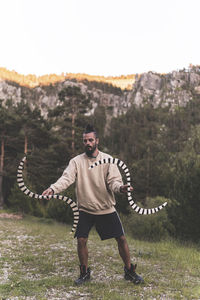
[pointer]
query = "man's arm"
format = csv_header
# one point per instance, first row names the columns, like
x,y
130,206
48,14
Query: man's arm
x,y
68,177
115,182
114,178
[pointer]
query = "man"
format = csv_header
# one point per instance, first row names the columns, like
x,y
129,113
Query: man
x,y
95,198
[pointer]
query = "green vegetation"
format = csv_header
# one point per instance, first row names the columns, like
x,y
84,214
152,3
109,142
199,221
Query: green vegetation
x,y
161,149
39,261
159,145
151,228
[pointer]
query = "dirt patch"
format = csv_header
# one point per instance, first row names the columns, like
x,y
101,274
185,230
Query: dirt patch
x,y
11,216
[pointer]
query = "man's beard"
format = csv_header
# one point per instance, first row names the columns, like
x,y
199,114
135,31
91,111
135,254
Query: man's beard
x,y
90,150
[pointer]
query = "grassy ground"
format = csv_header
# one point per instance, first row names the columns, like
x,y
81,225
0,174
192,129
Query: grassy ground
x,y
38,260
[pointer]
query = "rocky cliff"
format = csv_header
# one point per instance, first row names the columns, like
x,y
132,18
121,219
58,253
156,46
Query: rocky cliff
x,y
46,97
172,89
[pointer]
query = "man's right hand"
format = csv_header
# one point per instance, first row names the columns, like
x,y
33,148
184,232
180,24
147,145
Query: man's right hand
x,y
48,192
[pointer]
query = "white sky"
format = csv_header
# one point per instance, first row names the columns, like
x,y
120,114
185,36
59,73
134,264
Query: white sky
x,y
99,37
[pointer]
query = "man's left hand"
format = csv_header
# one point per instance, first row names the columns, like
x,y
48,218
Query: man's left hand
x,y
124,188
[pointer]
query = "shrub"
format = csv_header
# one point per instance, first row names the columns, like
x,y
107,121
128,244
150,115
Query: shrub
x,y
20,202
154,227
59,210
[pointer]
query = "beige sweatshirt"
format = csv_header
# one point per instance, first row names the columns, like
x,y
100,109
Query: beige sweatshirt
x,y
94,188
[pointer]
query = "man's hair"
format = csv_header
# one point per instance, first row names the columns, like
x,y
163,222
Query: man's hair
x,y
89,128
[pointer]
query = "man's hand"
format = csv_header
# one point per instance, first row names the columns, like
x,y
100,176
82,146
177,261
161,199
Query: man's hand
x,y
48,192
123,188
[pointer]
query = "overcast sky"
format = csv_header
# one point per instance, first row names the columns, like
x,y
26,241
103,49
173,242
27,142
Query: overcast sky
x,y
99,37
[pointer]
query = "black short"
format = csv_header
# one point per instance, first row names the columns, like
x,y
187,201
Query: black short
x,y
108,226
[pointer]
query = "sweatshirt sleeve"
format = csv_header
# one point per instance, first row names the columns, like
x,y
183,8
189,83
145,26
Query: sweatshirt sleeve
x,y
68,177
114,178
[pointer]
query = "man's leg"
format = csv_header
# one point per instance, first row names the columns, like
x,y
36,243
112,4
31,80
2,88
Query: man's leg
x,y
83,228
129,269
82,251
124,251
83,258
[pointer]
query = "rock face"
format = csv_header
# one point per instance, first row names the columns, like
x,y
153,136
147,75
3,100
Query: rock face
x,y
173,89
46,97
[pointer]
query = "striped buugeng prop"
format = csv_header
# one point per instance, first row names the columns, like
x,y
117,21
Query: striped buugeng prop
x,y
26,191
121,164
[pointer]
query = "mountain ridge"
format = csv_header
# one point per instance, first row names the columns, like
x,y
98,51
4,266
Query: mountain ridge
x,y
31,80
174,89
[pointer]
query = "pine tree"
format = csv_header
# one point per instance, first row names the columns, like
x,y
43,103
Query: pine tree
x,y
71,109
7,136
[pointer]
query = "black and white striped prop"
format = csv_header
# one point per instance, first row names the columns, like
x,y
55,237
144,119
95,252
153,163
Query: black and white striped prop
x,y
122,165
26,191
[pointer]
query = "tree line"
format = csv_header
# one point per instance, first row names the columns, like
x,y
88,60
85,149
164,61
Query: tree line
x,y
160,146
32,80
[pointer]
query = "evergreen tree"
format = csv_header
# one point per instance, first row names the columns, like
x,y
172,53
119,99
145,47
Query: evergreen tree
x,y
8,136
70,111
33,136
186,188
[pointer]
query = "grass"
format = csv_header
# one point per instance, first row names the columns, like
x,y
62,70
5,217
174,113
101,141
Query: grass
x,y
38,260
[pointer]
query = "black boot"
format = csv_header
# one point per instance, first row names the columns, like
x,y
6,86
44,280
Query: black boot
x,y
129,274
84,275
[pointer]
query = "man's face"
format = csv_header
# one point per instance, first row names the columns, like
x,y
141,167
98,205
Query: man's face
x,y
90,142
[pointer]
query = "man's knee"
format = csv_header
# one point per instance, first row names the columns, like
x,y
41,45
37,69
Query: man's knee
x,y
121,240
82,242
